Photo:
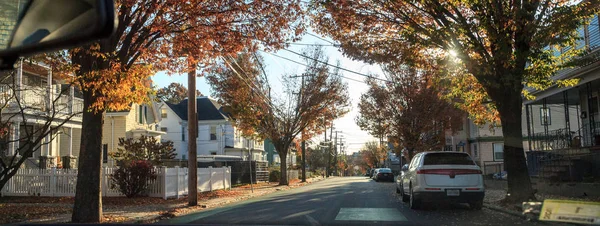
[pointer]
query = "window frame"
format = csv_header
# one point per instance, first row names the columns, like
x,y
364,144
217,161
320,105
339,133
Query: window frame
x,y
163,113
494,151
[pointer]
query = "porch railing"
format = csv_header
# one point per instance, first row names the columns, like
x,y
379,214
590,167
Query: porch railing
x,y
554,139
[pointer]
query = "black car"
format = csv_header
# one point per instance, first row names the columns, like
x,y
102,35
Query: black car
x,y
384,174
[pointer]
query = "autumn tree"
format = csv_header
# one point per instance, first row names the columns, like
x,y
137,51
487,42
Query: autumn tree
x,y
413,107
242,84
504,45
316,158
155,35
373,154
174,93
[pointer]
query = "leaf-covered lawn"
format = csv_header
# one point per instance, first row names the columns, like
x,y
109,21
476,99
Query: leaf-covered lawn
x,y
10,213
19,209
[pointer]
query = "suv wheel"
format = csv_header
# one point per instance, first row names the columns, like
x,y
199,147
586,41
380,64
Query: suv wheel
x,y
476,205
404,196
414,202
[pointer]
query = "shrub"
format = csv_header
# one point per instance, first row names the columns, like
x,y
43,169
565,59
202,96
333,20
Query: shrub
x,y
274,176
131,178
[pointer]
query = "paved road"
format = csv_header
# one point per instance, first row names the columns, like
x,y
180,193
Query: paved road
x,y
343,201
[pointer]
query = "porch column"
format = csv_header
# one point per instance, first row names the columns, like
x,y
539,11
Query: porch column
x,y
534,138
49,92
567,119
70,141
528,126
14,139
46,144
19,79
591,121
545,124
71,97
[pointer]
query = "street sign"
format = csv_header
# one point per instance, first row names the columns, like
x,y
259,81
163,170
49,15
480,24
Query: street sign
x,y
571,211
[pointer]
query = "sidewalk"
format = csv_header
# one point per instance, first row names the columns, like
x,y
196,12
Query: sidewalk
x,y
136,210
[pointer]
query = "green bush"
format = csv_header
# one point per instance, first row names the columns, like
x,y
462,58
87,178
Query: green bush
x,y
274,176
131,178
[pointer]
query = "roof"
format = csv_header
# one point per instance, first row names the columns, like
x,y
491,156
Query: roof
x,y
206,109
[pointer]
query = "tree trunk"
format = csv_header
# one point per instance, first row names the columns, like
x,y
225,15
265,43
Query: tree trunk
x,y
509,104
88,191
283,168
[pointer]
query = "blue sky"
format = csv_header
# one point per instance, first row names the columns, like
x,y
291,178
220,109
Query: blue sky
x,y
276,67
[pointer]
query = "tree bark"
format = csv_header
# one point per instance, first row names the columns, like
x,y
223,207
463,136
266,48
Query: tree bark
x,y
509,103
283,168
88,191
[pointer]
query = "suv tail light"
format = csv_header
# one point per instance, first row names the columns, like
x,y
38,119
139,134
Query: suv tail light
x,y
448,171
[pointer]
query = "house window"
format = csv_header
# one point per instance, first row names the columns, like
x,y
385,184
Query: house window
x,y
164,129
498,151
475,152
163,113
545,116
213,153
182,133
105,153
213,132
141,114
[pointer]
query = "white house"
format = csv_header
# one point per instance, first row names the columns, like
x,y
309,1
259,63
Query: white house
x,y
32,89
217,136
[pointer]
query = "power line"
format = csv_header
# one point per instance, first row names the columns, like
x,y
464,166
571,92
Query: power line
x,y
319,37
303,64
335,66
308,44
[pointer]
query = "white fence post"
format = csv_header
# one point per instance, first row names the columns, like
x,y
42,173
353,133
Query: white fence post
x,y
164,180
210,171
177,182
53,182
224,172
229,172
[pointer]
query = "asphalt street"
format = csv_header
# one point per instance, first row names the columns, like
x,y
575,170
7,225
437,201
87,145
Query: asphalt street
x,y
343,201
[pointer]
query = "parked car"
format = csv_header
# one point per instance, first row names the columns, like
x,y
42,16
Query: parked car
x,y
442,176
368,173
372,172
384,174
399,180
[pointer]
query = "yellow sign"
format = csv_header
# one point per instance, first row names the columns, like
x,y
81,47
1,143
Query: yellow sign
x,y
571,211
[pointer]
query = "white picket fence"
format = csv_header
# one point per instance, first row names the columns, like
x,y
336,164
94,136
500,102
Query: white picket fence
x,y
169,182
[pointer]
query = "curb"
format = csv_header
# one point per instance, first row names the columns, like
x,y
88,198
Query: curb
x,y
516,214
510,212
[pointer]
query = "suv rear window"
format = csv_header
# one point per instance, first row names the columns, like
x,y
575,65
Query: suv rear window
x,y
447,159
385,170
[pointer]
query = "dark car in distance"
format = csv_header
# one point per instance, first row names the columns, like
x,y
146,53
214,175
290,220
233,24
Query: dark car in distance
x,y
384,174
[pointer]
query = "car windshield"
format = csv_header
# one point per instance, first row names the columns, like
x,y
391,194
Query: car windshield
x,y
447,159
385,170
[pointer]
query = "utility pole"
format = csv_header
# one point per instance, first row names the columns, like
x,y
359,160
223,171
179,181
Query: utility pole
x,y
331,148
335,166
300,98
192,131
328,151
250,163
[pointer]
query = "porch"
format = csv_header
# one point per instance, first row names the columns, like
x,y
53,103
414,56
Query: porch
x,y
563,131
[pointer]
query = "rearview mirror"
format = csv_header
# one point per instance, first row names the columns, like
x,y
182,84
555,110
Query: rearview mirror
x,y
33,26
